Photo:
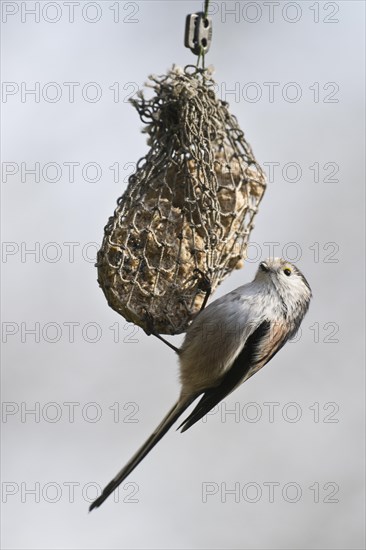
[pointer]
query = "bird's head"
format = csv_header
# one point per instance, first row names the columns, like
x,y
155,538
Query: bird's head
x,y
287,280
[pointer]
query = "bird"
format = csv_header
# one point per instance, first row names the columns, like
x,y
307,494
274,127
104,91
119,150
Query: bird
x,y
227,342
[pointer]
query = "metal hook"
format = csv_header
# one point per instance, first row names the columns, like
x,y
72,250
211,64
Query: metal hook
x,y
198,33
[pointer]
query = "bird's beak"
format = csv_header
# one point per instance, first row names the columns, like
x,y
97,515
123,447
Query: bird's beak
x,y
263,266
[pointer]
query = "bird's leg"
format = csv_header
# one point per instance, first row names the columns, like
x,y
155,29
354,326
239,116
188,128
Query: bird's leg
x,y
150,330
205,286
166,342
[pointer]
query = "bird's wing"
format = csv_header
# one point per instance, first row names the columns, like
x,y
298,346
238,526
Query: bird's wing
x,y
258,349
214,340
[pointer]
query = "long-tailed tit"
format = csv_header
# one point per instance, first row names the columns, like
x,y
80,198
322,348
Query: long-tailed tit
x,y
228,342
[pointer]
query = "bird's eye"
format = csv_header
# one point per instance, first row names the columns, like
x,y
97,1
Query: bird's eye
x,y
287,271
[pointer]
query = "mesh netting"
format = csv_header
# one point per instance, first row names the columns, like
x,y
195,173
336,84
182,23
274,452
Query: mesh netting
x,y
188,209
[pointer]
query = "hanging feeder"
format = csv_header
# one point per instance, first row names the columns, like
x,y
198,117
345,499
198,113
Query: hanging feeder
x,y
184,221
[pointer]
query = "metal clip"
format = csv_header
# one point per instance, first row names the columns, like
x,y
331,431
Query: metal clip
x,y
198,33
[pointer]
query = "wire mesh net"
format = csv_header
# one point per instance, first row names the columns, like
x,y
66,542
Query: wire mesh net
x,y
187,213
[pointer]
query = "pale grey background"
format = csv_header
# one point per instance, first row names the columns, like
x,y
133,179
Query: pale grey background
x,y
169,512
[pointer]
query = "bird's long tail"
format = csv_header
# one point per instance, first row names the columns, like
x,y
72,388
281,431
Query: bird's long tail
x,y
155,437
